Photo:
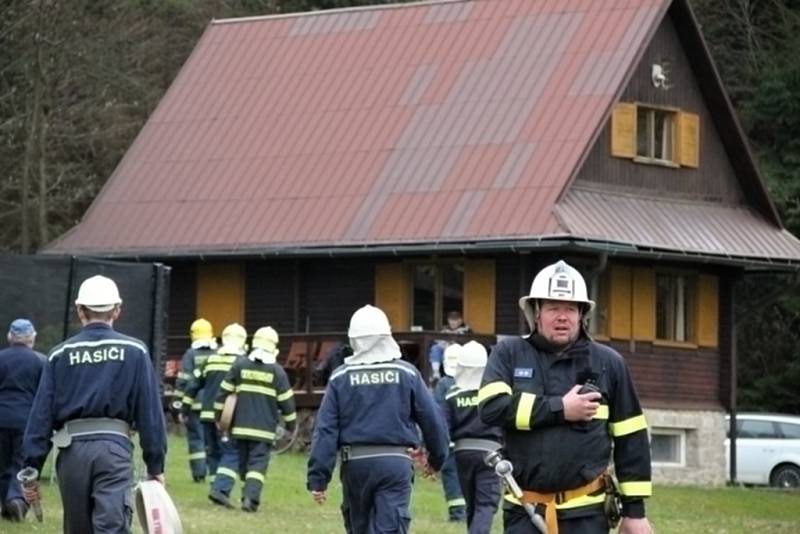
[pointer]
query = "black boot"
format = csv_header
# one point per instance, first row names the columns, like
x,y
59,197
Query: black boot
x,y
220,498
248,505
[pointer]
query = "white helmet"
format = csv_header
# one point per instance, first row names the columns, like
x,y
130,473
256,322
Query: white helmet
x,y
98,293
369,321
473,354
558,281
156,511
234,336
266,338
451,356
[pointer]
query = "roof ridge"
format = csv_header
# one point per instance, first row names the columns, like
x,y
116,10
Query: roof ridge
x,y
374,7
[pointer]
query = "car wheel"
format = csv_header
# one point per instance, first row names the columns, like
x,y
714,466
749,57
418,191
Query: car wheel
x,y
786,476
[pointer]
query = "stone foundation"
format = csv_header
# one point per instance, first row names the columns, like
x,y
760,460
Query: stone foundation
x,y
704,454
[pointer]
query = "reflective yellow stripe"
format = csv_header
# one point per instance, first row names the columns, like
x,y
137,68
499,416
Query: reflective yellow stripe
x,y
239,431
291,417
495,388
286,395
216,367
184,376
636,489
525,411
255,389
628,426
197,373
207,414
196,406
197,456
457,502
218,358
227,386
224,471
585,500
602,412
219,405
256,475
187,400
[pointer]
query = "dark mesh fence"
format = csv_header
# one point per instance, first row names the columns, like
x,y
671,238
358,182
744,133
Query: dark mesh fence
x,y
43,289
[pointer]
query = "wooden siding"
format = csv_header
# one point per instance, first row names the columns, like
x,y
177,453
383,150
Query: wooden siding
x,y
393,293
332,290
727,371
713,180
182,304
685,378
270,295
220,293
480,295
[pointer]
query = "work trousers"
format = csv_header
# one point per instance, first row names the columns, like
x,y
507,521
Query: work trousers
x,y
197,445
228,468
516,521
95,478
10,463
253,462
212,438
376,493
451,485
481,488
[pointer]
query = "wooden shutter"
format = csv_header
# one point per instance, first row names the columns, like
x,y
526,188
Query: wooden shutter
x,y
707,310
689,139
479,295
644,304
393,294
623,131
220,293
619,302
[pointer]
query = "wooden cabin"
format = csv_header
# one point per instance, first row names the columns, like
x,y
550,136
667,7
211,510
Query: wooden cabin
x,y
433,156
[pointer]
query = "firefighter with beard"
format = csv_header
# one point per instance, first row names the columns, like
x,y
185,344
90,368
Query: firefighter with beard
x,y
564,402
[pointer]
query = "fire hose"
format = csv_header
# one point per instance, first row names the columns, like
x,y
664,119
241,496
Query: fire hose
x,y
505,470
29,478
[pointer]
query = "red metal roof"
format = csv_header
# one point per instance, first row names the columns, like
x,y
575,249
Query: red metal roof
x,y
446,121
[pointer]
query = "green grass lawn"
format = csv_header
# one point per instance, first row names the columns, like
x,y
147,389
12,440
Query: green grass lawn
x,y
287,508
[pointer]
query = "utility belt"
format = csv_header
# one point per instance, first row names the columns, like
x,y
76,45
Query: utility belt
x,y
88,427
604,482
474,444
358,452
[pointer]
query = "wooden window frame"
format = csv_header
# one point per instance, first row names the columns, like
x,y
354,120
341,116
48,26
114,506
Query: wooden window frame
x,y
685,135
438,301
674,116
692,322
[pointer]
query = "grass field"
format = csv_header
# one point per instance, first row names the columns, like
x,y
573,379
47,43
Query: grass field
x,y
288,509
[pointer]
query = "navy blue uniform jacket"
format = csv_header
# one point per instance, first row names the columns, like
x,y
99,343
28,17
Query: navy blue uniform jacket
x,y
98,373
20,370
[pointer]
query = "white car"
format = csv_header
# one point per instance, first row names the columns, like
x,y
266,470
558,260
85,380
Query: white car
x,y
767,449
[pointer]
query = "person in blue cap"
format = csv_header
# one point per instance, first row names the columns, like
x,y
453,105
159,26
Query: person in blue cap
x,y
96,387
20,370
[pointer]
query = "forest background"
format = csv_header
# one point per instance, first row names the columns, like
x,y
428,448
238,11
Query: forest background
x,y
78,79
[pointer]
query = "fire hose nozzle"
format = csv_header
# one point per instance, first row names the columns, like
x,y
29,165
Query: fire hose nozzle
x,y
29,478
505,470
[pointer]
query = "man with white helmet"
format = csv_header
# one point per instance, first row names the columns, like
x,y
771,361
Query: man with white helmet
x,y
263,396
473,440
563,401
221,453
456,510
96,386
370,412
203,345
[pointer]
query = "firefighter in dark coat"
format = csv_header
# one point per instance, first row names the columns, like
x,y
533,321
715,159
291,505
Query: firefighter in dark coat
x,y
264,395
563,401
473,440
221,453
96,386
203,345
369,414
20,370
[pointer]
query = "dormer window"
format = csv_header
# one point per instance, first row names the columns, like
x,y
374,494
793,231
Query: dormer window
x,y
655,135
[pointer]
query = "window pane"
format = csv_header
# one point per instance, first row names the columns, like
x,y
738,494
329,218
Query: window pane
x,y
662,133
452,289
643,132
756,429
598,292
424,296
675,307
664,318
790,431
665,448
